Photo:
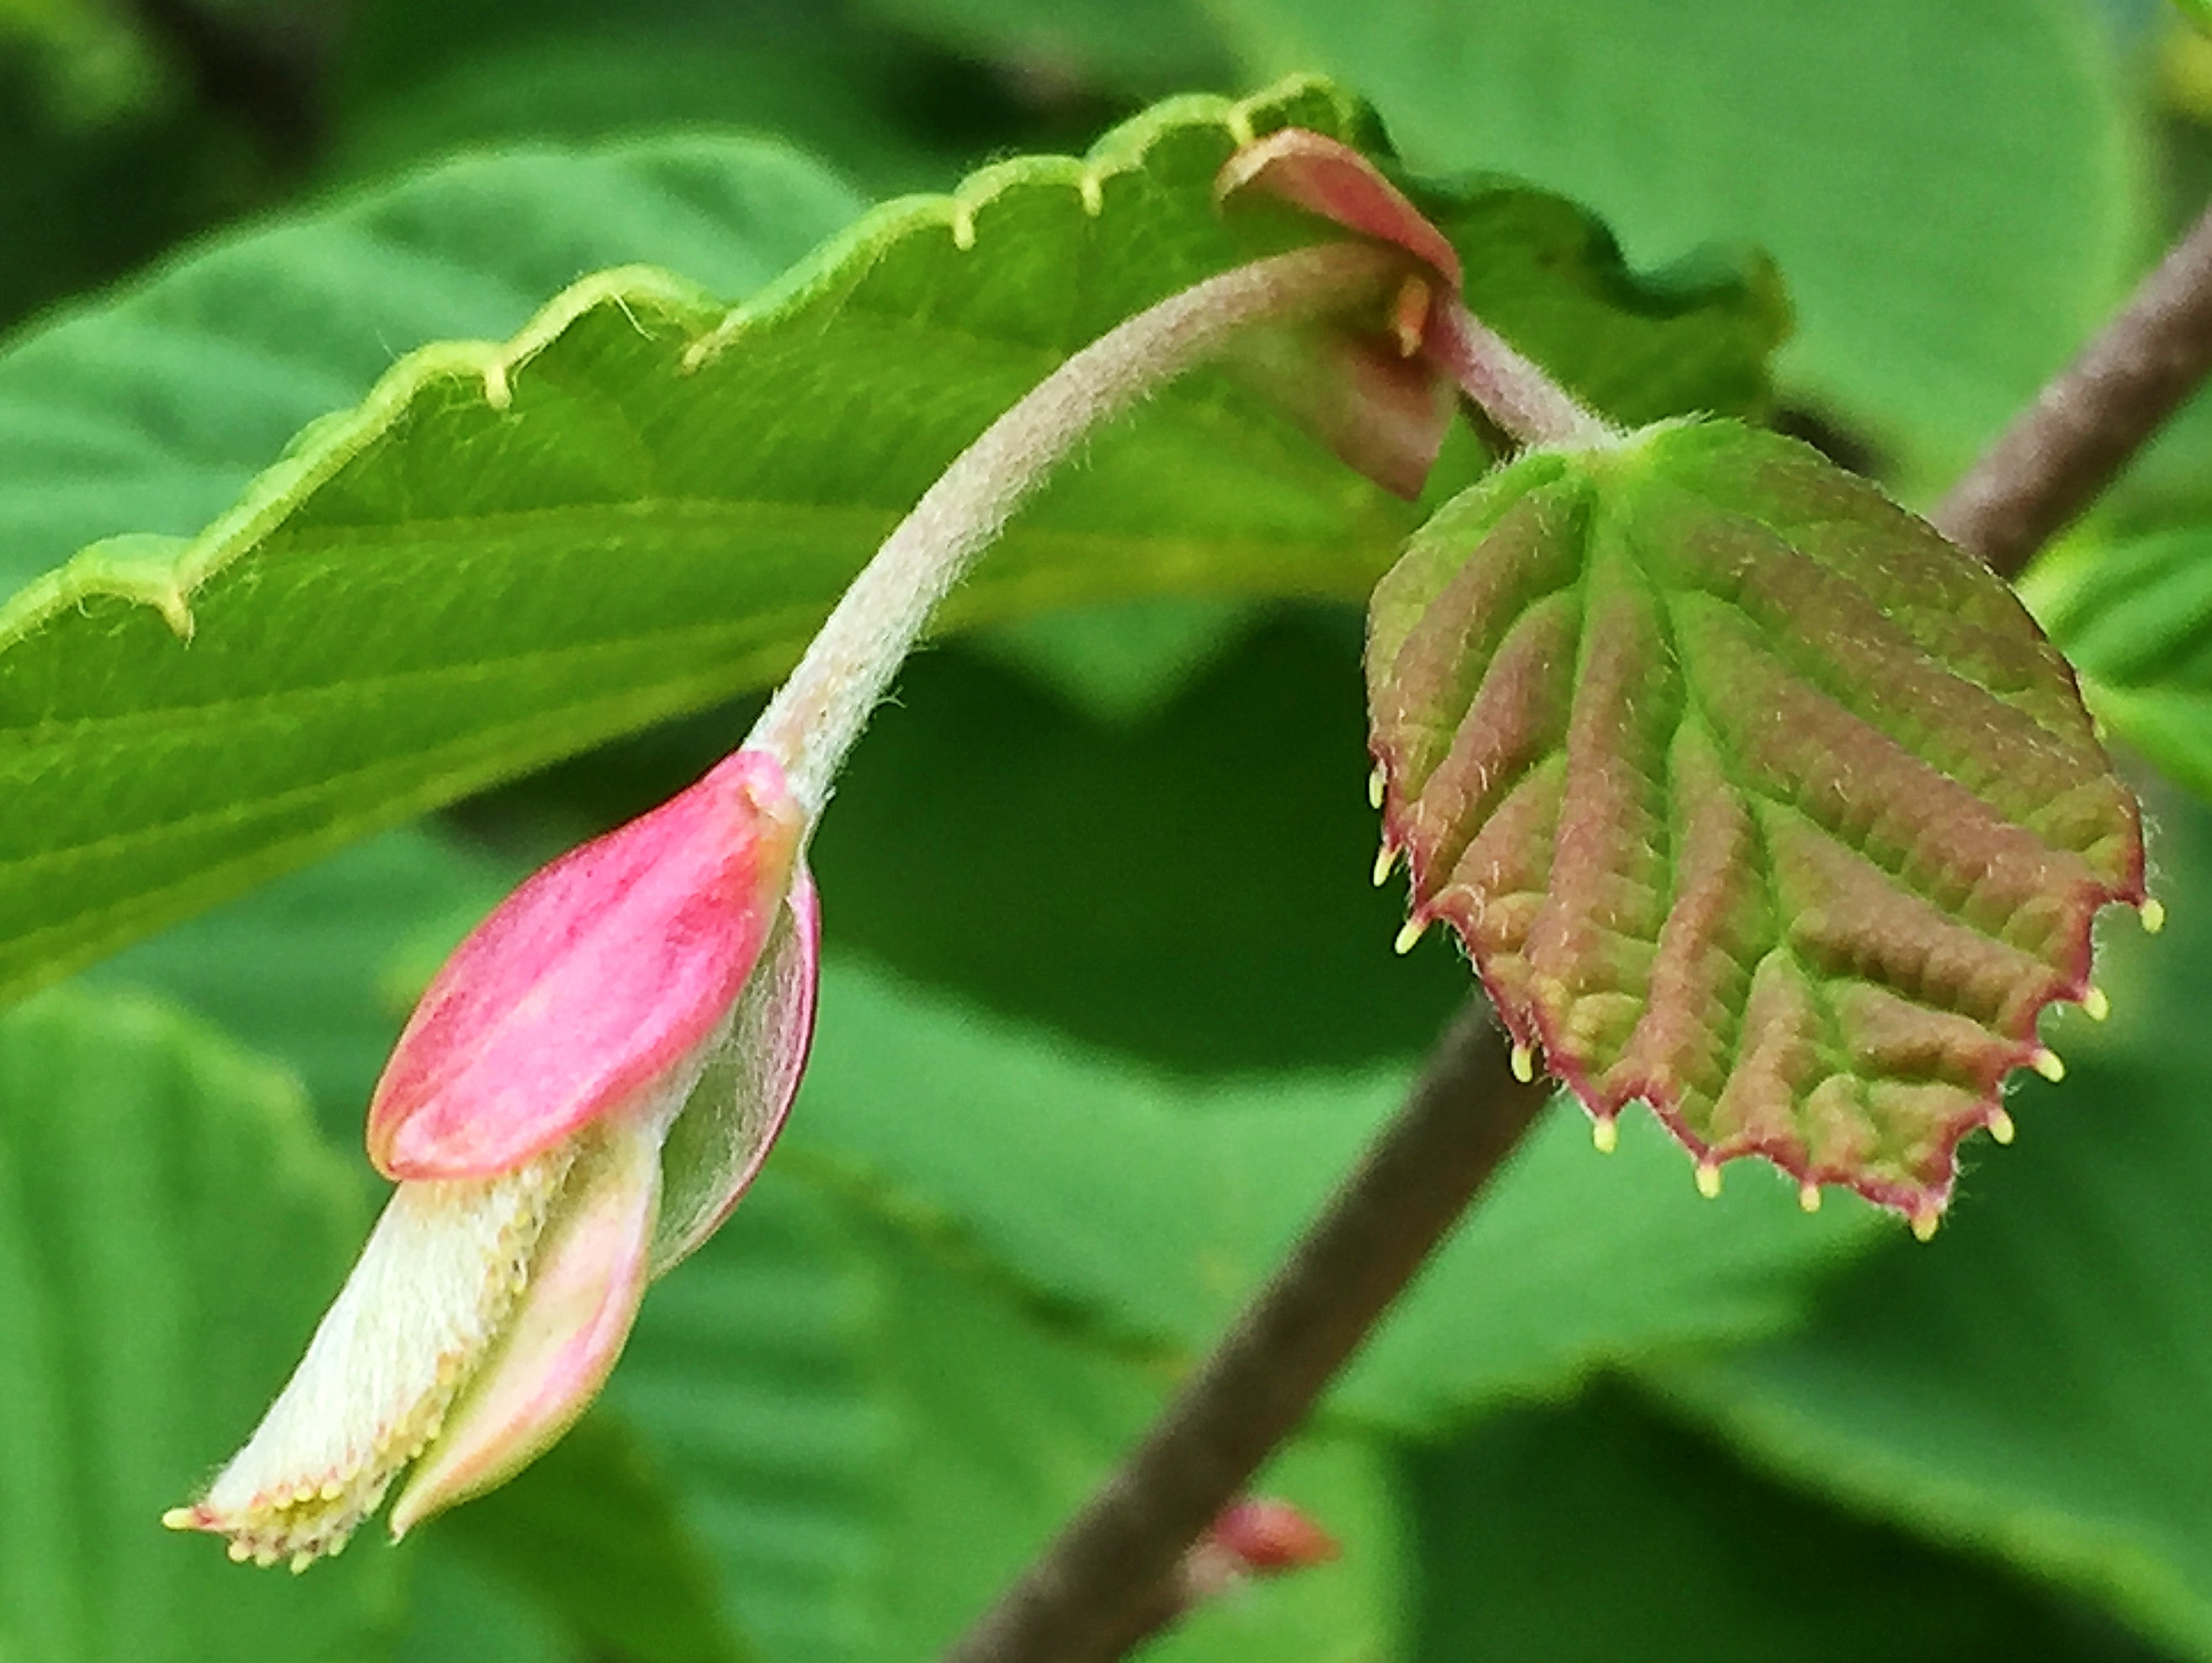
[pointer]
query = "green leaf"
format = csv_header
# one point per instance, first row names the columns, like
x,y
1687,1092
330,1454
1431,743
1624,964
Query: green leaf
x,y
592,1530
2032,1385
421,79
1597,1531
873,1439
1957,193
1152,1209
456,1611
170,1227
747,1377
1138,45
1751,797
1151,861
312,969
1120,665
2135,619
509,553
155,410
1550,278
1009,1425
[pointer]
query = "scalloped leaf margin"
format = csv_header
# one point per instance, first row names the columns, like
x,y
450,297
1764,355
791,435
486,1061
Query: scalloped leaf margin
x,y
1751,797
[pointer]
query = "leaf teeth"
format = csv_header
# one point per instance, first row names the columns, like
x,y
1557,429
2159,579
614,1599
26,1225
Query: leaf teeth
x,y
1410,937
1525,1068
1378,782
1385,858
1605,1134
1925,1219
2152,911
1808,1196
1749,795
1709,1180
2001,1127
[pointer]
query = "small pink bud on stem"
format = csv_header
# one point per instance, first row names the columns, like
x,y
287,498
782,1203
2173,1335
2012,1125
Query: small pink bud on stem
x,y
1328,178
592,1079
1253,1539
1260,1537
528,1111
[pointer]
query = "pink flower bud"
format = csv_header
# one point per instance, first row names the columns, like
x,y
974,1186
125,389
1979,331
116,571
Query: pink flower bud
x,y
591,981
1266,1536
1253,1537
582,1096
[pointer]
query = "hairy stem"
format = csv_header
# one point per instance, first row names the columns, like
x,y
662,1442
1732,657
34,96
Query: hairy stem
x,y
1106,1583
1099,1587
1510,389
820,712
2092,418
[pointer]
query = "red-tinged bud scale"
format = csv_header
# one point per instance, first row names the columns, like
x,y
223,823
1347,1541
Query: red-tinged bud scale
x,y
585,1090
591,981
1254,1537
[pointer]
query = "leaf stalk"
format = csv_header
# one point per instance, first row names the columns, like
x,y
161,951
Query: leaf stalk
x,y
819,713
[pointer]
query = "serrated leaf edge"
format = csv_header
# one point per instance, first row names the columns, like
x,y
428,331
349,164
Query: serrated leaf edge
x,y
1921,1204
122,567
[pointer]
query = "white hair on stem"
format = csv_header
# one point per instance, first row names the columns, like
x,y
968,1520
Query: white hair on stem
x,y
819,713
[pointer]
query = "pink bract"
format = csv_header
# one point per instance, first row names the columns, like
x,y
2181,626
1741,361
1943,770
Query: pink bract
x,y
592,980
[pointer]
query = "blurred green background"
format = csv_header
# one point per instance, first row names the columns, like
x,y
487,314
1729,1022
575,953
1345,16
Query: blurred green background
x,y
1110,999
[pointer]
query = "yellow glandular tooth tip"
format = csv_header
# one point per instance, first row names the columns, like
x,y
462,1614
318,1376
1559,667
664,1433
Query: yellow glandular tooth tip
x,y
2095,1005
1709,1180
2153,913
1924,1223
1524,1063
1375,782
1415,930
1808,1196
1385,858
2047,1063
2000,1127
1605,1134
180,1518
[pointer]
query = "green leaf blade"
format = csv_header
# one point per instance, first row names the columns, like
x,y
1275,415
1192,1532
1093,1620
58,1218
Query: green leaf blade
x,y
170,1225
2136,617
638,506
1751,797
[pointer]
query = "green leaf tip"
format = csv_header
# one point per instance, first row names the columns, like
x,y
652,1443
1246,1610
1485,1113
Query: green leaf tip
x,y
1751,797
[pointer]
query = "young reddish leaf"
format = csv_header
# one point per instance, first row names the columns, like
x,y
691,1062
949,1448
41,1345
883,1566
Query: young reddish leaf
x,y
1327,177
1368,393
1751,797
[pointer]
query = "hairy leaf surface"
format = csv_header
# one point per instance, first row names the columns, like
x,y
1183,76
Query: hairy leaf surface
x,y
644,502
2033,1385
1751,797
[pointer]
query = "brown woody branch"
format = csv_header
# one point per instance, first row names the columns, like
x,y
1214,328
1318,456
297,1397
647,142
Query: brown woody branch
x,y
1106,1582
2062,452
1097,1588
